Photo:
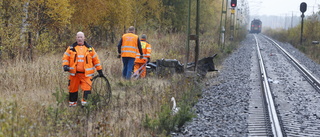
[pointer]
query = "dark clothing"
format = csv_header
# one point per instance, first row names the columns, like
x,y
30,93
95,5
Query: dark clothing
x,y
127,67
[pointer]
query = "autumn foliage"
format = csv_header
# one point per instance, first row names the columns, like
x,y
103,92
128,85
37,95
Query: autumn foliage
x,y
52,24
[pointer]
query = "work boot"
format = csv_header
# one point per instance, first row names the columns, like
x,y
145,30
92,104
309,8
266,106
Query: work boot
x,y
83,102
72,104
85,97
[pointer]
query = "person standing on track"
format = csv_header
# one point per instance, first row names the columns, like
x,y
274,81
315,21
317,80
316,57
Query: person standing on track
x,y
142,63
128,48
81,60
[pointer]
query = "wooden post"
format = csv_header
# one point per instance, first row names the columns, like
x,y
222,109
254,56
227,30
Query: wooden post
x,y
30,46
188,33
0,49
197,34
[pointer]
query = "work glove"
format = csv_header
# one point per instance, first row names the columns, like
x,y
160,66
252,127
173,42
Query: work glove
x,y
100,73
119,56
66,68
148,60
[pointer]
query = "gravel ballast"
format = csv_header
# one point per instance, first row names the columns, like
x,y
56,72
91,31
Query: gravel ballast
x,y
223,108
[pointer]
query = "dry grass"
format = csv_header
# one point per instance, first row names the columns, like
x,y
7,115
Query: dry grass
x,y
33,99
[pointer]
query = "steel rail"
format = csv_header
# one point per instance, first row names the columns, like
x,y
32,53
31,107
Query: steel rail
x,y
275,124
308,75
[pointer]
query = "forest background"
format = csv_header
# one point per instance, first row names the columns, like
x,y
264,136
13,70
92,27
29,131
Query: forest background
x,y
53,23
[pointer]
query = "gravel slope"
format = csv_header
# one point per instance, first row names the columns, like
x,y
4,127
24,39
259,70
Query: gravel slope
x,y
223,109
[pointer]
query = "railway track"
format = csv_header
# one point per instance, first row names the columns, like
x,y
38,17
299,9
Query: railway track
x,y
285,102
234,105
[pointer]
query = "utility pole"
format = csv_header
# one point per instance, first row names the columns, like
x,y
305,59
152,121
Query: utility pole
x,y
233,5
222,31
188,36
303,8
193,37
292,19
225,23
197,48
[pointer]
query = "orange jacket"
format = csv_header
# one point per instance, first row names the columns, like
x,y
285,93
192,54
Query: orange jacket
x,y
90,59
129,45
146,49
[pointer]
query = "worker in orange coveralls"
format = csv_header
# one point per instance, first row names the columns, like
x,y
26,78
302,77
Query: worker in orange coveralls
x,y
81,60
140,63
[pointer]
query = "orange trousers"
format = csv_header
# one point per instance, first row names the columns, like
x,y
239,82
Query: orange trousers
x,y
79,80
144,69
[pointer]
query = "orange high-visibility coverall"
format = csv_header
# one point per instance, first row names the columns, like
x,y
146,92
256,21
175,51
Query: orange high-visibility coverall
x,y
146,50
82,60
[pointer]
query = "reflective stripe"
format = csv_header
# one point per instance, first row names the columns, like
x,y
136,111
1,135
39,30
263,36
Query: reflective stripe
x,y
80,60
89,75
71,68
129,47
89,69
72,74
67,54
148,48
65,61
129,51
80,56
142,58
95,55
143,54
96,65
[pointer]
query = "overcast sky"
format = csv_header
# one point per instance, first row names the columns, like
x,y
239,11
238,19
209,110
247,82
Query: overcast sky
x,y
281,7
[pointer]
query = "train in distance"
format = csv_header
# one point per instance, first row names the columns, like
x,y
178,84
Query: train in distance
x,y
256,26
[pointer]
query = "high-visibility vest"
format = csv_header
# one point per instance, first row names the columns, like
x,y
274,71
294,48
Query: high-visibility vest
x,y
146,49
129,47
90,59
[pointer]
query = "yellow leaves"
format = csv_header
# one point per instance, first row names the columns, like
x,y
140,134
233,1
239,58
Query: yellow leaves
x,y
91,12
59,11
115,12
49,14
